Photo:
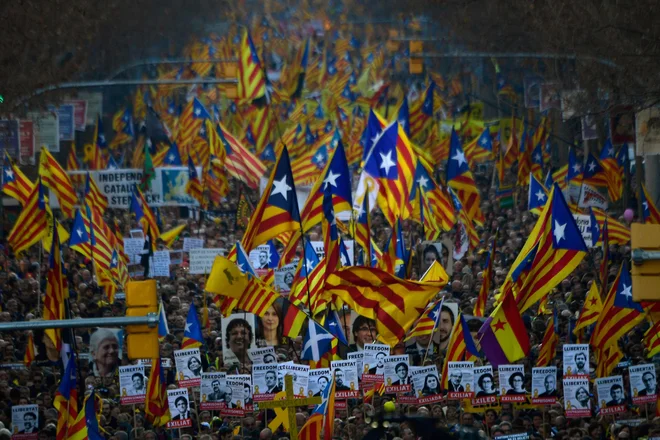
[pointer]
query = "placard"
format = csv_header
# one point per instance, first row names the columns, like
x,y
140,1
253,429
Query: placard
x,y
611,398
319,379
201,260
133,384
65,113
192,243
26,129
346,379
583,223
46,130
260,257
94,105
25,422
176,258
577,402
238,333
357,356
188,367
133,248
79,113
459,384
643,383
265,355
118,186
10,137
300,375
160,264
426,383
518,436
284,277
212,391
179,408
264,382
576,360
484,386
512,383
591,197
238,395
544,385
373,368
647,131
164,362
397,371
319,248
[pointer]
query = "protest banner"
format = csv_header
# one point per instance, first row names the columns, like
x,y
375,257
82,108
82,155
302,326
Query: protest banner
x,y
188,367
611,398
264,382
25,422
264,355
346,379
284,277
512,381
426,384
544,385
160,264
132,384
319,378
591,197
300,375
643,383
459,385
373,362
357,356
238,331
179,403
201,260
484,386
576,360
577,402
238,395
212,391
192,243
396,372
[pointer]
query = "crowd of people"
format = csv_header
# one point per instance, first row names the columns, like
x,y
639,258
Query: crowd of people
x,y
100,351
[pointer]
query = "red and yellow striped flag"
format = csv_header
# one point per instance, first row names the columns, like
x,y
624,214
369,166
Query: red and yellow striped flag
x,y
54,177
32,223
56,291
14,183
548,350
29,351
156,406
251,78
592,307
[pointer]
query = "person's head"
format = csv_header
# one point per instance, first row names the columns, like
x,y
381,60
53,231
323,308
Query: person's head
x,y
269,359
339,376
445,323
323,382
485,382
247,392
616,392
288,279
29,420
263,258
271,319
364,331
216,386
228,394
516,381
194,364
271,378
456,376
581,394
380,359
549,382
181,404
104,347
239,335
649,381
431,382
467,419
580,360
401,370
431,254
138,380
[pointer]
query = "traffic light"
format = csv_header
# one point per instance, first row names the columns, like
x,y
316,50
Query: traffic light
x,y
416,63
645,239
141,299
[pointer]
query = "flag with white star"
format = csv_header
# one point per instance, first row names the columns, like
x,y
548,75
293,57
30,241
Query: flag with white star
x,y
560,249
619,314
404,116
192,334
574,167
537,195
277,211
461,179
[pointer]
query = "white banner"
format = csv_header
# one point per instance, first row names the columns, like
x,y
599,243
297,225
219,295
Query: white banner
x,y
201,260
591,197
584,225
192,243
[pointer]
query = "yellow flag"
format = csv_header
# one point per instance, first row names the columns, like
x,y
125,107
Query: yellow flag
x,y
47,239
435,272
226,279
169,236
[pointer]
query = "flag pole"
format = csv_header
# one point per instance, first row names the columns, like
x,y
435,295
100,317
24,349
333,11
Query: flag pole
x,y
435,325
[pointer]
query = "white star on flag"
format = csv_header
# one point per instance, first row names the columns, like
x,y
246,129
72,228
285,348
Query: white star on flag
x,y
280,187
592,166
386,161
331,179
422,181
79,232
577,168
626,291
540,195
9,173
559,231
460,158
188,325
198,111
